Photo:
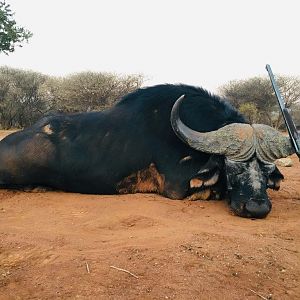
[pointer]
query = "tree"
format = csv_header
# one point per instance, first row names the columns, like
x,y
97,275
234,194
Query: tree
x,y
11,35
51,93
90,91
258,91
250,111
20,103
26,96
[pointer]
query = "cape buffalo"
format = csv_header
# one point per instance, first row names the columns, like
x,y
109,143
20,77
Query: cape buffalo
x,y
179,141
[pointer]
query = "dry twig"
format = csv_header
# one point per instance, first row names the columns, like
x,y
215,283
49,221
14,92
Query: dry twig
x,y
257,294
123,270
87,267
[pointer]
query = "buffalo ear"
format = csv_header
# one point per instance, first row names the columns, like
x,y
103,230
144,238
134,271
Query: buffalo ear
x,y
208,175
275,179
214,163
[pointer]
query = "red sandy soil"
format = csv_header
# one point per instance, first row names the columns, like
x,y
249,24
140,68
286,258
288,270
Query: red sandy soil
x,y
56,245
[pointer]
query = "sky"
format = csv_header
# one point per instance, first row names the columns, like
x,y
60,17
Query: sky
x,y
203,43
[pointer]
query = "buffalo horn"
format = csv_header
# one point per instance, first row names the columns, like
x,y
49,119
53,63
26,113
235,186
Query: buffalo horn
x,y
271,144
237,141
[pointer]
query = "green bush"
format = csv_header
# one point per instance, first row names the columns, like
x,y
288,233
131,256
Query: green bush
x,y
26,96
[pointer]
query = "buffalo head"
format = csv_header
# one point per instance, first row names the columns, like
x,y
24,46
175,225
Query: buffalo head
x,y
249,152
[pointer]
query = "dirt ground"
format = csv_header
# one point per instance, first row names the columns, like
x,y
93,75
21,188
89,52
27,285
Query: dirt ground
x,y
57,245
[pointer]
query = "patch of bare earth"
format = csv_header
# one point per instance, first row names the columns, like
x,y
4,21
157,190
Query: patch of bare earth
x,y
57,245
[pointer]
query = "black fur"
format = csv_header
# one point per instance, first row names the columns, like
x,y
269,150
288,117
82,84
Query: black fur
x,y
92,152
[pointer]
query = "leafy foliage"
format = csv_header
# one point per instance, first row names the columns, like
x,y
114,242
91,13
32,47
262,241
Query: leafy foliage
x,y
258,92
20,104
89,91
26,96
11,35
250,111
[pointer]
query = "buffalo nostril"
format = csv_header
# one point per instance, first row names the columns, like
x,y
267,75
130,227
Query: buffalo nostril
x,y
257,209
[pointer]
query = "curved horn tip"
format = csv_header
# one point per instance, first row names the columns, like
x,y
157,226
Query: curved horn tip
x,y
181,97
175,108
